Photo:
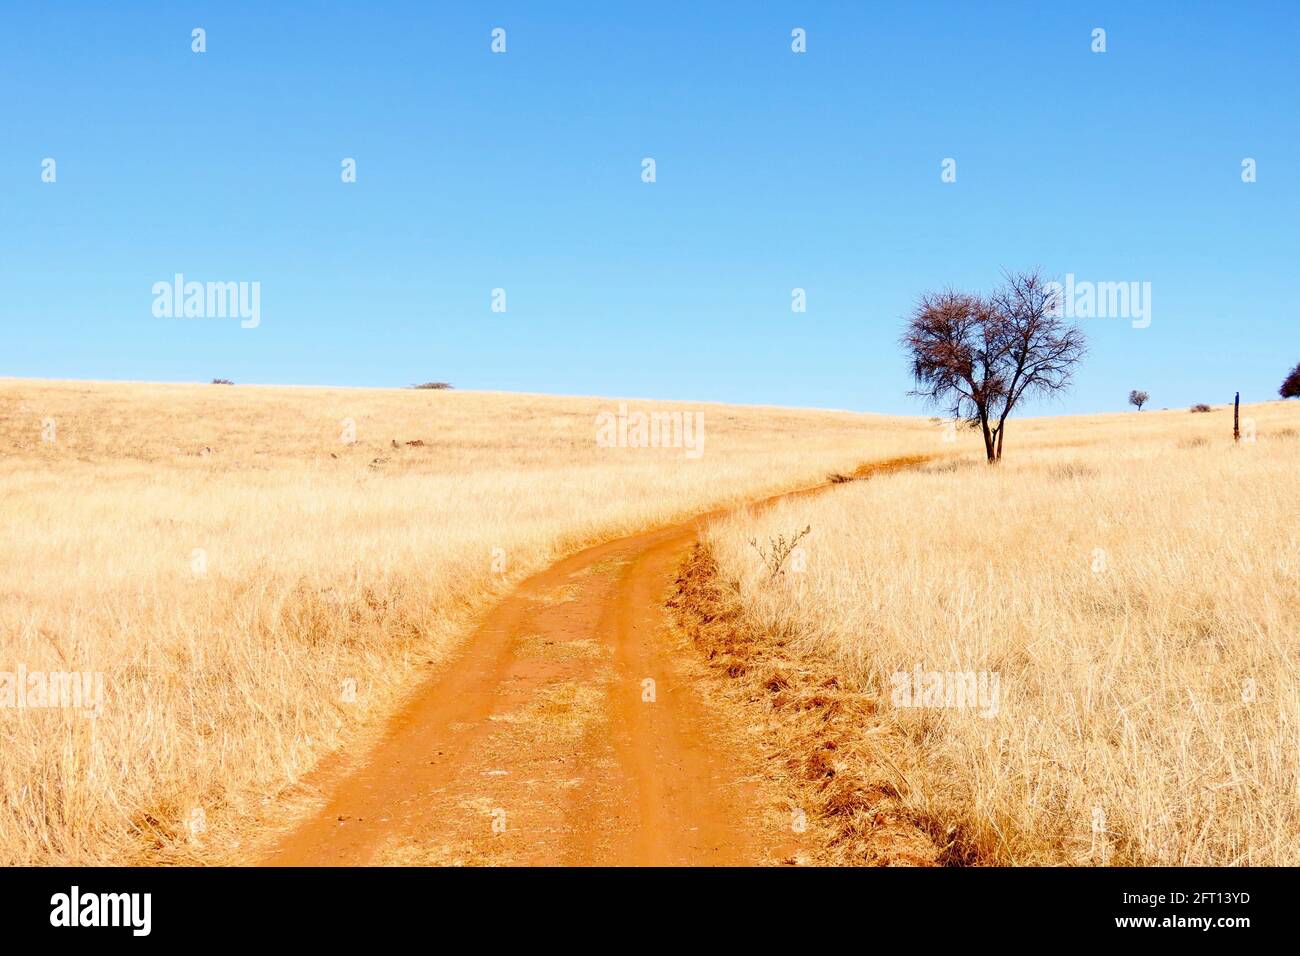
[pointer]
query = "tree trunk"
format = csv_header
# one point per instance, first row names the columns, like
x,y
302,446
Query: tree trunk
x,y
989,449
1002,431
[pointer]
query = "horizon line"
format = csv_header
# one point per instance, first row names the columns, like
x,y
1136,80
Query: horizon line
x,y
527,394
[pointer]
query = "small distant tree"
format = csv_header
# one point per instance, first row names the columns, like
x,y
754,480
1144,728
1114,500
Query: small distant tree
x,y
980,356
1138,398
1291,384
222,381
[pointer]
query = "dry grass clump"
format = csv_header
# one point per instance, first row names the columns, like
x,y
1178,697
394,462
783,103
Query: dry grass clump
x,y
822,738
1071,470
259,573
1142,620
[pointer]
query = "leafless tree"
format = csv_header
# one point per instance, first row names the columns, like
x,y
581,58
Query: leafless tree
x,y
979,356
1138,397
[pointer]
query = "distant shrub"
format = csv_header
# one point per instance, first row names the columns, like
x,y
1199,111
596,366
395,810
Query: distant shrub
x,y
1201,407
432,385
1291,384
222,381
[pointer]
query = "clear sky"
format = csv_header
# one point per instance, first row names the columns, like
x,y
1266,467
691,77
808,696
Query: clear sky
x,y
523,171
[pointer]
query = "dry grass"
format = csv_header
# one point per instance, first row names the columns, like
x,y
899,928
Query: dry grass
x,y
229,564
1133,581
818,739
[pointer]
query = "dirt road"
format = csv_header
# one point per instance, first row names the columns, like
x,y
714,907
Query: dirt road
x,y
568,731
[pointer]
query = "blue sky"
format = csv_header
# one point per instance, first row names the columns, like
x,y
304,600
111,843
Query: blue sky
x,y
522,171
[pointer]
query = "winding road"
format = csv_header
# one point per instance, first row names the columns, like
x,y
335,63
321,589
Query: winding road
x,y
570,729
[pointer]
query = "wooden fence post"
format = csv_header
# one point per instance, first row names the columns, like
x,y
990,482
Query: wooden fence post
x,y
1236,418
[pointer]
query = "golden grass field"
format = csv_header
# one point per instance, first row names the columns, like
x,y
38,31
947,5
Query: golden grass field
x,y
234,568
1133,580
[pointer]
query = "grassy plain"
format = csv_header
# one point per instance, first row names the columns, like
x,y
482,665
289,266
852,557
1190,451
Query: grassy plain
x,y
1133,583
255,586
